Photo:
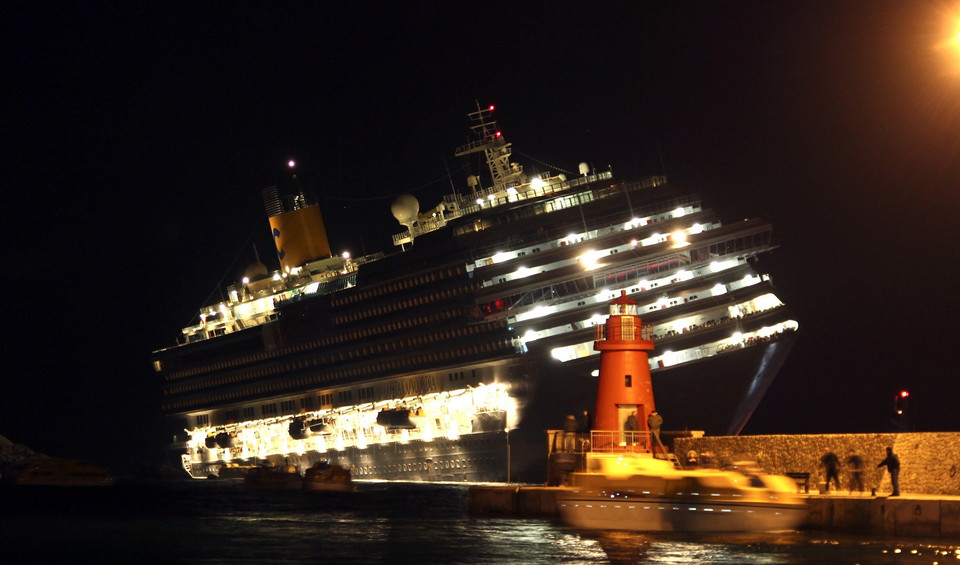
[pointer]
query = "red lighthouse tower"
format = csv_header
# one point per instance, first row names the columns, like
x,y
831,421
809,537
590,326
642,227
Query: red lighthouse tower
x,y
624,390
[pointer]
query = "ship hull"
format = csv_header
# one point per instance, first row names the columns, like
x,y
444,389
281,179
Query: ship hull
x,y
716,395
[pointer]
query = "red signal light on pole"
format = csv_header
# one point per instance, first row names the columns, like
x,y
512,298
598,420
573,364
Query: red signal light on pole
x,y
904,394
491,107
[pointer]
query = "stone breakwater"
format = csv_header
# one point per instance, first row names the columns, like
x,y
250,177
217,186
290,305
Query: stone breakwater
x,y
929,462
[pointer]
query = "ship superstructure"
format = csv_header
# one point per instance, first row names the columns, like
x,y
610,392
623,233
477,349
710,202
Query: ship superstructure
x,y
447,358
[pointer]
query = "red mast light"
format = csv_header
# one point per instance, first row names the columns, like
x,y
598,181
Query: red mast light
x,y
904,394
491,107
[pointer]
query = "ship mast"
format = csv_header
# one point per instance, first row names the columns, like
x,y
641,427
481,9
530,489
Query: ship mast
x,y
496,149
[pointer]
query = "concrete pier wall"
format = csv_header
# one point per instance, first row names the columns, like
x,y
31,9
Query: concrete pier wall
x,y
921,516
930,462
926,517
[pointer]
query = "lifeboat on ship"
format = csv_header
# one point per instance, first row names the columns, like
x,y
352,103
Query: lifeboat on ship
x,y
225,440
298,429
395,419
301,428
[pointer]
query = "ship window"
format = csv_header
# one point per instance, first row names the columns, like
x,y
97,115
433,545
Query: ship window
x,y
248,413
628,381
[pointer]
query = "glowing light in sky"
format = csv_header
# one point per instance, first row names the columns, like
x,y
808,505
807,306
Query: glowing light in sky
x,y
950,46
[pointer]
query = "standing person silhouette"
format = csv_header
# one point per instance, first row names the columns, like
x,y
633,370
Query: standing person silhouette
x,y
654,421
892,463
831,465
631,427
586,423
855,462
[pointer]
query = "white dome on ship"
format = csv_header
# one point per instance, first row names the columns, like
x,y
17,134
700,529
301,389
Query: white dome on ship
x,y
405,209
584,168
256,271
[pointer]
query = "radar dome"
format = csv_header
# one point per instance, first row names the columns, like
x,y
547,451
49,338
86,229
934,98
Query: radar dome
x,y
405,209
584,168
472,182
256,271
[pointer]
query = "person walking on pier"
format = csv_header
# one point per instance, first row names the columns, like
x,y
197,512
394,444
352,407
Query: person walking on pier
x,y
832,466
892,463
855,462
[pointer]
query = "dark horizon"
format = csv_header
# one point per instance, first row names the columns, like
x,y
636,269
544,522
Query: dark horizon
x,y
138,141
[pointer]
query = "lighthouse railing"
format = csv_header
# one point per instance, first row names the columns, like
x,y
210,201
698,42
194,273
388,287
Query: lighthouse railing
x,y
620,441
628,334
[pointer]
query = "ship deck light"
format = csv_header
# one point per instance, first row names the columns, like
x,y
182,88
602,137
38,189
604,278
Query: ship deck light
x,y
679,238
590,259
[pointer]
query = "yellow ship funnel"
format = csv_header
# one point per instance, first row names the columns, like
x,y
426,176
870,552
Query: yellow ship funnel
x,y
298,232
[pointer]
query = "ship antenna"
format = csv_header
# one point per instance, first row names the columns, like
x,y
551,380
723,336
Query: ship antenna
x,y
490,142
449,177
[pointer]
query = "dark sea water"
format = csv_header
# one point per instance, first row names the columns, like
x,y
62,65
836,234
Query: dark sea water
x,y
220,522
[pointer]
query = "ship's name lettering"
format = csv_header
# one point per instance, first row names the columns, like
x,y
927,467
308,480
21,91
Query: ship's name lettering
x,y
412,386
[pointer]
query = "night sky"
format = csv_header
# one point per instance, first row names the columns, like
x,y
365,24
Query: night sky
x,y
137,139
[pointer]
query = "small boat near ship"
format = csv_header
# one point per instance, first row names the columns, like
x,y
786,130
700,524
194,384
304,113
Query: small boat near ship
x,y
631,491
322,476
268,477
233,471
53,471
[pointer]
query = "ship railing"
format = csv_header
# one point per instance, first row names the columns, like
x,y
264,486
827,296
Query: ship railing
x,y
529,192
426,226
477,145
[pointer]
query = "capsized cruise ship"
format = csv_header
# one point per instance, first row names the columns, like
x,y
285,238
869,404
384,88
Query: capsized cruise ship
x,y
447,358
